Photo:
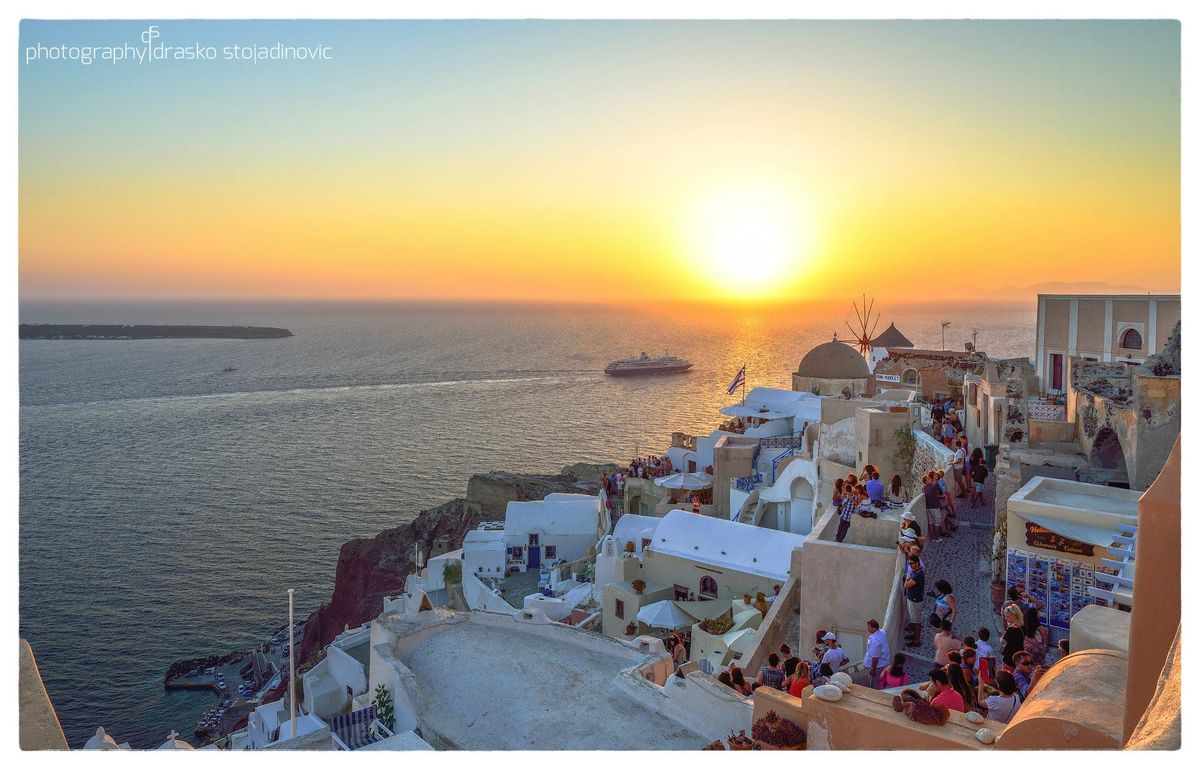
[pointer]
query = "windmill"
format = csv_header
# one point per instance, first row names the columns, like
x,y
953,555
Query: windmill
x,y
866,326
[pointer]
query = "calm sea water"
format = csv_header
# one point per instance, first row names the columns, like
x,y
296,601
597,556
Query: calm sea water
x,y
166,505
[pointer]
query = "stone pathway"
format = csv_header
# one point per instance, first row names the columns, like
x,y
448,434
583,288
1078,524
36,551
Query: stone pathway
x,y
964,560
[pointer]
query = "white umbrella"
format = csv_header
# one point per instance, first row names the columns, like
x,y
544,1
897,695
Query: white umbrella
x,y
690,481
664,614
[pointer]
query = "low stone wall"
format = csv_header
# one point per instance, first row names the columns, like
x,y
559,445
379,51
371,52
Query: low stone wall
x,y
697,701
864,720
1050,432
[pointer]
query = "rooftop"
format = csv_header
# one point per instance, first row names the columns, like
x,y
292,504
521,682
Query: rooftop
x,y
544,687
731,544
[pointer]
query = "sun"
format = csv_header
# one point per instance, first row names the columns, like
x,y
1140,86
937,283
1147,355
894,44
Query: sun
x,y
748,242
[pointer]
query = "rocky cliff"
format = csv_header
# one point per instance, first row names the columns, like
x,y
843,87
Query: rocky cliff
x,y
370,568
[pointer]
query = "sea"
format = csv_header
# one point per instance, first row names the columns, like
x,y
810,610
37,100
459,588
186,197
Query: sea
x,y
167,505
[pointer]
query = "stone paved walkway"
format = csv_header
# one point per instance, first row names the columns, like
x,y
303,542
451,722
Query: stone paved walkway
x,y
964,560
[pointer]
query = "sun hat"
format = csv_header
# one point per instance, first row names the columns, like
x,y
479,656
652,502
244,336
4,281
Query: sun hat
x,y
908,516
829,637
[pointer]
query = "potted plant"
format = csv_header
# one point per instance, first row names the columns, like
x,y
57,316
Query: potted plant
x,y
717,626
999,562
385,709
639,585
774,732
740,742
717,745
630,629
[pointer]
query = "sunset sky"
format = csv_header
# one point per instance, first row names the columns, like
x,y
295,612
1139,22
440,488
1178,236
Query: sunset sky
x,y
603,161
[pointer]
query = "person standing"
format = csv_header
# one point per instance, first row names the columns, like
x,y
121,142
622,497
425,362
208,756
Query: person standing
x,y
846,503
878,652
933,508
914,596
945,605
944,643
958,467
835,657
979,474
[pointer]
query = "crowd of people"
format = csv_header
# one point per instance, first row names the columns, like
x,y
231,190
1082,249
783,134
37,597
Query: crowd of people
x,y
865,496
649,467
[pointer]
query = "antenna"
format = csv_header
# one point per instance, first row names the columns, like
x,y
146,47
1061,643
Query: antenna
x,y
865,331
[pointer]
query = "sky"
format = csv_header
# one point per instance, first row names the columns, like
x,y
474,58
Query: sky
x,y
598,161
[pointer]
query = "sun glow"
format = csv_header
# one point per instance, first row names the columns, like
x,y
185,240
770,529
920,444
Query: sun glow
x,y
752,242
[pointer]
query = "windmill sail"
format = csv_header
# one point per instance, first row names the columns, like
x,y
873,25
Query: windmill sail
x,y
864,328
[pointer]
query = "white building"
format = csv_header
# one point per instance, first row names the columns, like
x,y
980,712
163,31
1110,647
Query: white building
x,y
694,558
559,528
483,550
891,339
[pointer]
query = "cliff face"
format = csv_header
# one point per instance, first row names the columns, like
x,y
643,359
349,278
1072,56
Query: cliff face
x,y
370,568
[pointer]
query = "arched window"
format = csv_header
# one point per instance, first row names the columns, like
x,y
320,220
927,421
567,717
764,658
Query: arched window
x,y
1131,340
708,587
911,377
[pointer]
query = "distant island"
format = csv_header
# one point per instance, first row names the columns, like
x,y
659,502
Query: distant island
x,y
147,332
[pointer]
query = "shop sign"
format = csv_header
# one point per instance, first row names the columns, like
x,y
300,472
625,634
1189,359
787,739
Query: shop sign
x,y
1040,537
887,378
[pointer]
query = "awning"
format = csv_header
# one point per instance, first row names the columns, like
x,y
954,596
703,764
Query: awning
x,y
689,481
748,410
1084,533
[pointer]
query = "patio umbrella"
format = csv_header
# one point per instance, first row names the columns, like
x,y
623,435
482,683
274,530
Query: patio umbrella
x,y
664,614
689,481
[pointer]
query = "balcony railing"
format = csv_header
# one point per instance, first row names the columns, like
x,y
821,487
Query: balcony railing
x,y
683,440
782,442
747,483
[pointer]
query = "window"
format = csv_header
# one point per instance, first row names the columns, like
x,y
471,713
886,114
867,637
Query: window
x,y
551,551
974,394
518,553
708,587
910,377
620,610
533,538
1131,340
681,593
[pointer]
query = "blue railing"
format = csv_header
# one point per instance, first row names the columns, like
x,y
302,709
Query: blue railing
x,y
782,442
779,458
748,483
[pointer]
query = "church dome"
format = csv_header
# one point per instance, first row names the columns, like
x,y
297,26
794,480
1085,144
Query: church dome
x,y
833,361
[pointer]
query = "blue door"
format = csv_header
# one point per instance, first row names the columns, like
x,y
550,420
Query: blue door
x,y
535,557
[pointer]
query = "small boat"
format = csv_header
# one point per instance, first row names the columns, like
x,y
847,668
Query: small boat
x,y
230,369
644,364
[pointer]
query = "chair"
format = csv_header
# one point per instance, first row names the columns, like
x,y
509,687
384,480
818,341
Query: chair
x,y
357,729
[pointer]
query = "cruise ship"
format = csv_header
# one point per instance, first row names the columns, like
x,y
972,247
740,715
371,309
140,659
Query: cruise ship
x,y
644,364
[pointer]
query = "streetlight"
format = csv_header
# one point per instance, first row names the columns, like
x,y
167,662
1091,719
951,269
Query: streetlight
x,y
944,325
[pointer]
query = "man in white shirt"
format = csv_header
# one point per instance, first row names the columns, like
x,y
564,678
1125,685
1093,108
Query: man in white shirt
x,y
878,653
834,656
957,465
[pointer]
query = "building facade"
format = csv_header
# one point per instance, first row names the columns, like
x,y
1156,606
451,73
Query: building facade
x,y
1126,328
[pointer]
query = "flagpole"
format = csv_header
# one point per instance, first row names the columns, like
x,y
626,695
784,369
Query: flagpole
x,y
743,384
292,658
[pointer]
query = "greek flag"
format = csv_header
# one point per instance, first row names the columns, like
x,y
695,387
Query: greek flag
x,y
738,381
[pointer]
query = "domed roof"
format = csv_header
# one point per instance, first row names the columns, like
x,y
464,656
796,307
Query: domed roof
x,y
891,338
833,361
